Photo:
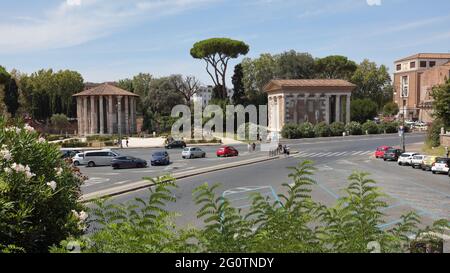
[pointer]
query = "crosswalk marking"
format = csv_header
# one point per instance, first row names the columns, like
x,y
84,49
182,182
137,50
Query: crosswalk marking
x,y
306,154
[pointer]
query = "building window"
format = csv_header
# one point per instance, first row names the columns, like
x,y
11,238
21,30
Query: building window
x,y
404,87
399,67
412,65
432,63
423,64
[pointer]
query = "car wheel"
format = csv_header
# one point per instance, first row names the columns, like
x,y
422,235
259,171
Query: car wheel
x,y
76,163
433,172
384,159
91,164
203,155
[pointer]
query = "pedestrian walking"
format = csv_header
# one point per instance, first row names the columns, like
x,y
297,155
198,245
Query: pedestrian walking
x,y
254,146
126,142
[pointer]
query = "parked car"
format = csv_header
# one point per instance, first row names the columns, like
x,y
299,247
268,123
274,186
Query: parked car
x,y
176,144
193,152
226,151
379,153
123,162
68,153
78,159
441,165
417,161
428,162
392,154
405,159
160,158
99,158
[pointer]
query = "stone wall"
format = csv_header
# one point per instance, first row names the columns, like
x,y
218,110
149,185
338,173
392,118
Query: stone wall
x,y
445,140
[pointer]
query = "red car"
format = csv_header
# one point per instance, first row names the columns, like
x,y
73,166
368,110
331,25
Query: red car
x,y
379,153
226,151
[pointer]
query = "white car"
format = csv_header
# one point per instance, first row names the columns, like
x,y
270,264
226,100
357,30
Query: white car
x,y
417,161
192,152
441,166
78,159
99,158
405,158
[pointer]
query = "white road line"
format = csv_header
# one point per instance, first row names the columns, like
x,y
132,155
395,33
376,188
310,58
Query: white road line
x,y
122,182
341,153
358,153
332,154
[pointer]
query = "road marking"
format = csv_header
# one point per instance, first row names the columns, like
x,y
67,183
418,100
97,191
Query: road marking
x,y
122,182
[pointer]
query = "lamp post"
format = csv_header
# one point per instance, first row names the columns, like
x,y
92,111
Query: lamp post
x,y
403,128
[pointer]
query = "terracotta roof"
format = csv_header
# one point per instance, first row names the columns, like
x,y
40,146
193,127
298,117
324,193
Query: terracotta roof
x,y
427,56
313,83
105,90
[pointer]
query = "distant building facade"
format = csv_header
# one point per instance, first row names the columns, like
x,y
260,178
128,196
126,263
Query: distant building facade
x,y
414,78
298,101
204,95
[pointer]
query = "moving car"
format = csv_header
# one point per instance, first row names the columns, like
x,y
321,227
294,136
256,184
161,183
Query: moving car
x,y
428,162
99,158
78,159
122,162
226,151
176,144
441,165
160,158
417,161
392,154
379,153
405,159
193,152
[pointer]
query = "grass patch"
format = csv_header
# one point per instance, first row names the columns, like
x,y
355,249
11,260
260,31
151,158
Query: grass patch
x,y
436,151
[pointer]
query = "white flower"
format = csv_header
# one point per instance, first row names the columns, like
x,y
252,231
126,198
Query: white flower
x,y
29,175
52,184
59,171
41,140
7,170
83,216
5,154
28,128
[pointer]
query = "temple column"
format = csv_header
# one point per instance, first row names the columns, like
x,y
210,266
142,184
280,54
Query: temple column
x,y
127,116
85,116
133,115
295,108
305,107
338,108
101,115
327,109
110,115
347,105
79,125
93,117
119,114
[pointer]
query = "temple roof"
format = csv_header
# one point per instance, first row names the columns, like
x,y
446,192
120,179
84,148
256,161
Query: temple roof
x,y
105,90
309,84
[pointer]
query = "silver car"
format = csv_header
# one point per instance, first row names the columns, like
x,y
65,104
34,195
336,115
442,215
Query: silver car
x,y
99,158
78,159
193,152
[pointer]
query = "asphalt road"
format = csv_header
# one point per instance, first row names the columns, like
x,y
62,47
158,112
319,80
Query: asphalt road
x,y
335,159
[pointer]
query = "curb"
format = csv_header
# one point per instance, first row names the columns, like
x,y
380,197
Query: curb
x,y
86,198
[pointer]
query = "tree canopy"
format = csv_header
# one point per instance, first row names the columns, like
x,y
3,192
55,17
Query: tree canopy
x,y
441,104
217,52
335,67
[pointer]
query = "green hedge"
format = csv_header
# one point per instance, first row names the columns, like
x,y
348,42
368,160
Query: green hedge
x,y
337,128
74,143
371,127
322,129
354,128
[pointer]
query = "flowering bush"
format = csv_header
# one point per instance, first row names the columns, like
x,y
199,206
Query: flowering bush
x,y
371,127
337,128
322,129
354,128
38,192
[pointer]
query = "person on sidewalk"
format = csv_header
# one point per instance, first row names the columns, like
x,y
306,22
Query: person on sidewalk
x,y
254,146
126,142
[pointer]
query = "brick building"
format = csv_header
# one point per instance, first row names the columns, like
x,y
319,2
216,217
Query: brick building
x,y
414,78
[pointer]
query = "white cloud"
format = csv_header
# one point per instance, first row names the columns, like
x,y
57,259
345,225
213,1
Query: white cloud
x,y
374,2
75,22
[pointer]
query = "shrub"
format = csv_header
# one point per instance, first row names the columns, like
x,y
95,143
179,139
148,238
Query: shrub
x,y
390,109
99,138
434,132
291,131
74,143
307,130
38,192
337,128
389,127
59,121
371,127
322,129
354,128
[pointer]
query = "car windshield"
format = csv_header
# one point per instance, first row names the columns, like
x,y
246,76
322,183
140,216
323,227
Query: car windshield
x,y
186,149
441,160
158,154
418,157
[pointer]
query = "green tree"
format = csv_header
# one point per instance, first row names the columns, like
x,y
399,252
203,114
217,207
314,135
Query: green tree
x,y
390,109
186,86
10,91
238,86
373,83
294,65
335,67
217,52
363,110
441,103
257,73
59,121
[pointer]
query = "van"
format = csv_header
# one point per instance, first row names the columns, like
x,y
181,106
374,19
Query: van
x,y
99,158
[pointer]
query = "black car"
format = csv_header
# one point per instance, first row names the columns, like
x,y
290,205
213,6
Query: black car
x,y
124,162
176,144
69,153
160,158
392,154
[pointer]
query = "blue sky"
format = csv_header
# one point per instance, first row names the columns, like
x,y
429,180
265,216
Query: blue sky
x,y
107,40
